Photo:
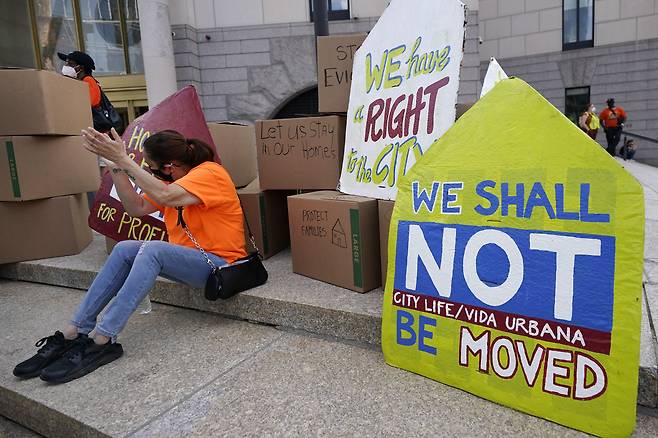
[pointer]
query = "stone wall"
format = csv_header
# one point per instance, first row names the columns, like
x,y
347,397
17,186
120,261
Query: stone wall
x,y
248,73
625,71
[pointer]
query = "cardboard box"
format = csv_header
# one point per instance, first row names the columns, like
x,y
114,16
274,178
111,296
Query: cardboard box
x,y
37,167
385,209
267,213
334,238
38,102
236,145
335,60
44,228
301,153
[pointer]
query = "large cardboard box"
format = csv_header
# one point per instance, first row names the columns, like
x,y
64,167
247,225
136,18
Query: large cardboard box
x,y
334,238
37,167
300,154
267,213
44,228
385,212
236,146
335,59
37,102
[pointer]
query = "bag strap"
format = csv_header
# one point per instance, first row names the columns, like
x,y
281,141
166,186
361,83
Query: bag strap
x,y
181,222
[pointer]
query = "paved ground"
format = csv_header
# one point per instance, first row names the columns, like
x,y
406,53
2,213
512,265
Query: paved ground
x,y
195,374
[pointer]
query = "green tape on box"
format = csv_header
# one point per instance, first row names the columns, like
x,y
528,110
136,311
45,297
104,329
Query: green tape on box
x,y
357,266
13,169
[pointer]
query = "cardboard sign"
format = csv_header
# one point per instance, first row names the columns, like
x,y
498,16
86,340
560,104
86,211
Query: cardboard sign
x,y
181,112
515,266
300,153
495,74
335,59
404,90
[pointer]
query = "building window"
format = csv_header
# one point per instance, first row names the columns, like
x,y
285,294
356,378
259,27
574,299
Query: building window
x,y
575,102
16,40
305,102
56,30
577,24
336,9
33,31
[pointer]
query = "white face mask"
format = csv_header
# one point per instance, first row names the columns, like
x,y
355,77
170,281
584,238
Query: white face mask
x,y
593,109
69,71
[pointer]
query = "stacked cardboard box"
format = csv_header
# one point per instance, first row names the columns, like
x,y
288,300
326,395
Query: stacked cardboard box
x,y
294,155
267,216
44,169
334,238
335,59
236,146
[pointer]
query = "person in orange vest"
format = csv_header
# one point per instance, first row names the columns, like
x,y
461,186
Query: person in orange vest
x,y
79,66
612,119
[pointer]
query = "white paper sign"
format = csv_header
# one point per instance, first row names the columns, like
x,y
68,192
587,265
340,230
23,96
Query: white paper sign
x,y
495,74
403,95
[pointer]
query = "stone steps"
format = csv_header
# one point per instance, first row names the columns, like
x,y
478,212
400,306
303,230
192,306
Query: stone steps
x,y
190,373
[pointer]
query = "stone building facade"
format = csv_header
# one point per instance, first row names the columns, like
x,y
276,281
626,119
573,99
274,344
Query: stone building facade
x,y
526,36
250,71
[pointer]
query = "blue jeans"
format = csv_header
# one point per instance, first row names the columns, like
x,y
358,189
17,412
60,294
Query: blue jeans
x,y
129,274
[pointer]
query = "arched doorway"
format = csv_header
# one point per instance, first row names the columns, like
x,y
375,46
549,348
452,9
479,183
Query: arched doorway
x,y
305,102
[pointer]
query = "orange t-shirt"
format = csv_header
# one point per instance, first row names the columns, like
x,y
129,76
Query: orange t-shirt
x,y
610,119
94,91
217,222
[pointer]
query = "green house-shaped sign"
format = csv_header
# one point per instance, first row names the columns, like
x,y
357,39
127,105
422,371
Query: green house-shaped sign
x,y
515,266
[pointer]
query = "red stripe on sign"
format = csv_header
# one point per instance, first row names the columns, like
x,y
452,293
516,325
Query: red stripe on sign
x,y
551,331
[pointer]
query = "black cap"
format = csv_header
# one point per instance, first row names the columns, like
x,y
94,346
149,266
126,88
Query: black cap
x,y
610,102
79,58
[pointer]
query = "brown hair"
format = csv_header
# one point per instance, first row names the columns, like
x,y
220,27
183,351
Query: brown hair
x,y
169,145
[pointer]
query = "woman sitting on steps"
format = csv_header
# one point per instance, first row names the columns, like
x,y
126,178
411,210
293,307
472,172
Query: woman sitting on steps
x,y
195,182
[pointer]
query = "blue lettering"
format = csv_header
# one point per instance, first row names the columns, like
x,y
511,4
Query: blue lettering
x,y
559,205
420,198
404,324
516,200
538,198
493,199
423,334
448,197
585,215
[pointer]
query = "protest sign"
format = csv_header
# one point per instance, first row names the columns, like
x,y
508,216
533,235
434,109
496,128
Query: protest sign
x,y
515,266
181,112
404,90
495,74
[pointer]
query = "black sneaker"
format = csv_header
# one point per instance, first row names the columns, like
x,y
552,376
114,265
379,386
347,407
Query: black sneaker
x,y
83,358
52,348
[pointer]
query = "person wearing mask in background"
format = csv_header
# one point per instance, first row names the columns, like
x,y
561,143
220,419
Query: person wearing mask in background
x,y
589,121
612,119
79,66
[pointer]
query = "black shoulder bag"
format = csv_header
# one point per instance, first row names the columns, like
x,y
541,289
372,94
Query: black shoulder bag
x,y
105,117
228,280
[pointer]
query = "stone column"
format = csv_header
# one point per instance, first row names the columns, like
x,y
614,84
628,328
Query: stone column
x,y
157,50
